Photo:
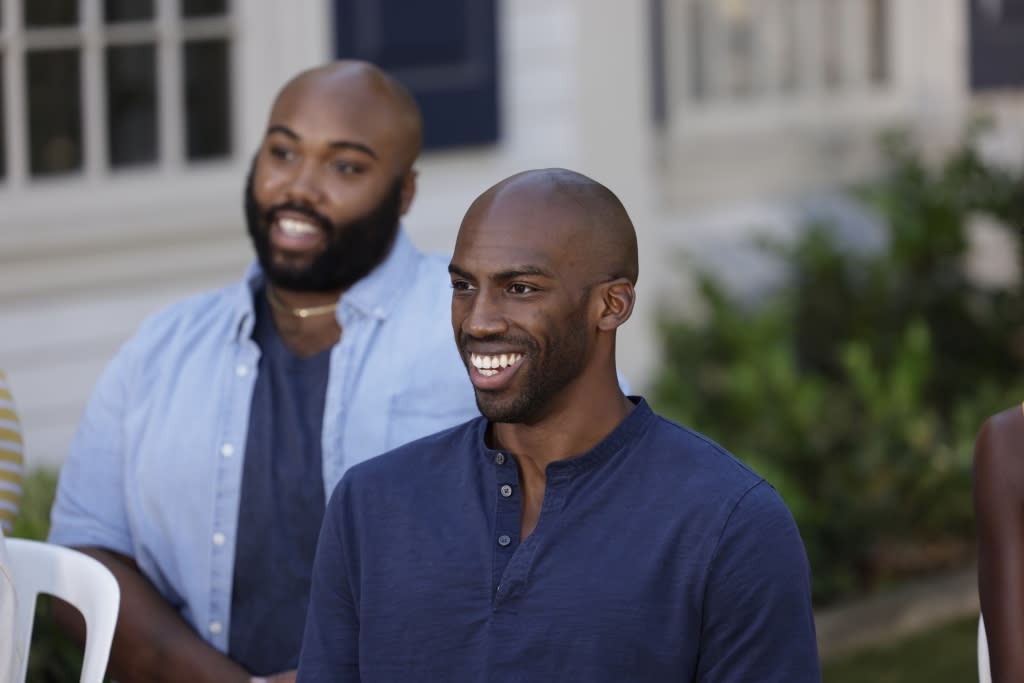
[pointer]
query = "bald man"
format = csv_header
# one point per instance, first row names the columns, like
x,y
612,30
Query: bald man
x,y
569,534
200,471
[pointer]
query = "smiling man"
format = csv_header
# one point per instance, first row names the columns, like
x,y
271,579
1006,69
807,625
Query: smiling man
x,y
569,534
200,471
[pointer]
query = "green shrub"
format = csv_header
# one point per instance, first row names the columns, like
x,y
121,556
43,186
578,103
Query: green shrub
x,y
857,388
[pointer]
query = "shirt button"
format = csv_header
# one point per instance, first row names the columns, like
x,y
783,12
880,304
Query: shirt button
x,y
215,627
506,490
499,459
504,540
227,450
242,370
219,538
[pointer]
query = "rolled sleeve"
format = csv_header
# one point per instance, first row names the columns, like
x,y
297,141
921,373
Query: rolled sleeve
x,y
89,509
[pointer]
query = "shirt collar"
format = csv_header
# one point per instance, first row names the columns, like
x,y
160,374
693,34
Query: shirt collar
x,y
626,433
374,295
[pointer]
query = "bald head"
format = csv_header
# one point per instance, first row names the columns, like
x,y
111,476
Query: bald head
x,y
589,214
366,93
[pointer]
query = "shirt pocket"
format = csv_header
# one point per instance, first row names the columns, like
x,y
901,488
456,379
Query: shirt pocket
x,y
423,410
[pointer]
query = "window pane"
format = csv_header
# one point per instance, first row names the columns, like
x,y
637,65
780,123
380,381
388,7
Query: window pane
x,y
878,65
54,110
698,48
207,106
127,10
50,12
131,104
203,8
3,125
737,19
832,43
789,65
1013,11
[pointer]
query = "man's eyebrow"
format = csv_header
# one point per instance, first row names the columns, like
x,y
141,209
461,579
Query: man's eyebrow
x,y
337,144
455,270
510,274
358,146
284,130
520,271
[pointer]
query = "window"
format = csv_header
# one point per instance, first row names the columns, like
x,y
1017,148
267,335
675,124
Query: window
x,y
997,44
444,51
728,63
768,97
107,85
742,49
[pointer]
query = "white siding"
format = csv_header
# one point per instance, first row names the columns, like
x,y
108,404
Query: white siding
x,y
82,262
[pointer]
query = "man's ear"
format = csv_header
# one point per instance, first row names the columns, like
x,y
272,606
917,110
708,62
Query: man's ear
x,y
408,190
617,298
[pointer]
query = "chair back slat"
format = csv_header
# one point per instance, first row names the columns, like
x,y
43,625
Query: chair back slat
x,y
74,577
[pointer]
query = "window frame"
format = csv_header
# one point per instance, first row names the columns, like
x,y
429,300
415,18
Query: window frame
x,y
167,32
717,113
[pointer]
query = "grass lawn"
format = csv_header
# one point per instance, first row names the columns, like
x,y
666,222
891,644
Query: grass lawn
x,y
944,654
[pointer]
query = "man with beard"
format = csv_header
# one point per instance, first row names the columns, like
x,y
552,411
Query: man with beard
x,y
570,534
199,472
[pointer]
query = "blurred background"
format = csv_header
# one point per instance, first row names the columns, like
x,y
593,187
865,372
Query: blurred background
x,y
828,196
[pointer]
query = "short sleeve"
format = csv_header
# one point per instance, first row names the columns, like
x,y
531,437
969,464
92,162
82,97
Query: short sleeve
x,y
89,509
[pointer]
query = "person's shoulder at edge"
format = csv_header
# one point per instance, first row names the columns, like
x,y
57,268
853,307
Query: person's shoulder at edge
x,y
997,451
1004,426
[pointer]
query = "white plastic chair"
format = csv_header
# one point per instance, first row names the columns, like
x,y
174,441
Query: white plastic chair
x,y
76,578
984,670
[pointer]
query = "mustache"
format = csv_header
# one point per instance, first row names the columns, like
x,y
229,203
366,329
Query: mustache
x,y
520,342
323,222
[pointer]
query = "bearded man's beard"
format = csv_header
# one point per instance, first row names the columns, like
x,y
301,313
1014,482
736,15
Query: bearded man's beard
x,y
353,249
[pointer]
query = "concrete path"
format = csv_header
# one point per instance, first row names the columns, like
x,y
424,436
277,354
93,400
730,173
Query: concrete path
x,y
883,618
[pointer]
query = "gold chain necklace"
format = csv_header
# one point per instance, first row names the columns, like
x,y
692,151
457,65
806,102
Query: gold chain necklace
x,y
300,312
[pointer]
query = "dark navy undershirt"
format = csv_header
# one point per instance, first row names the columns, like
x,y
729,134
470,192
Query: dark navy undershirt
x,y
282,503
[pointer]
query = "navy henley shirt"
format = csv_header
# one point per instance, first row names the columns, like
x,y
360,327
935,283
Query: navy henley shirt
x,y
658,556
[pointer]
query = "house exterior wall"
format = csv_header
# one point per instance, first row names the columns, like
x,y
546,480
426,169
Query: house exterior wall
x,y
83,261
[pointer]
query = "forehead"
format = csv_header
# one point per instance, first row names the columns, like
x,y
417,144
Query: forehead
x,y
321,108
510,233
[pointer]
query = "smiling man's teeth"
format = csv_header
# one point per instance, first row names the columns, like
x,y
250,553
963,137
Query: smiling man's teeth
x,y
492,365
292,226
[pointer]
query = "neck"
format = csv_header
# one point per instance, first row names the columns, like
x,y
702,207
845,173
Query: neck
x,y
303,304
305,321
574,426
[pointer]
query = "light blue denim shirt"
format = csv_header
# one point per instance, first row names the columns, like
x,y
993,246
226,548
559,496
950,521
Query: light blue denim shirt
x,y
155,469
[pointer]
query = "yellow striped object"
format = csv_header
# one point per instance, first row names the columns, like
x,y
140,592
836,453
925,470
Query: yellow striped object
x,y
12,458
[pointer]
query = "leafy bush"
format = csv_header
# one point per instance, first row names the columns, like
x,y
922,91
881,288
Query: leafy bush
x,y
857,388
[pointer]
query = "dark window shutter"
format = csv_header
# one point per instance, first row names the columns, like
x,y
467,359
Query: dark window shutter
x,y
444,51
997,44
